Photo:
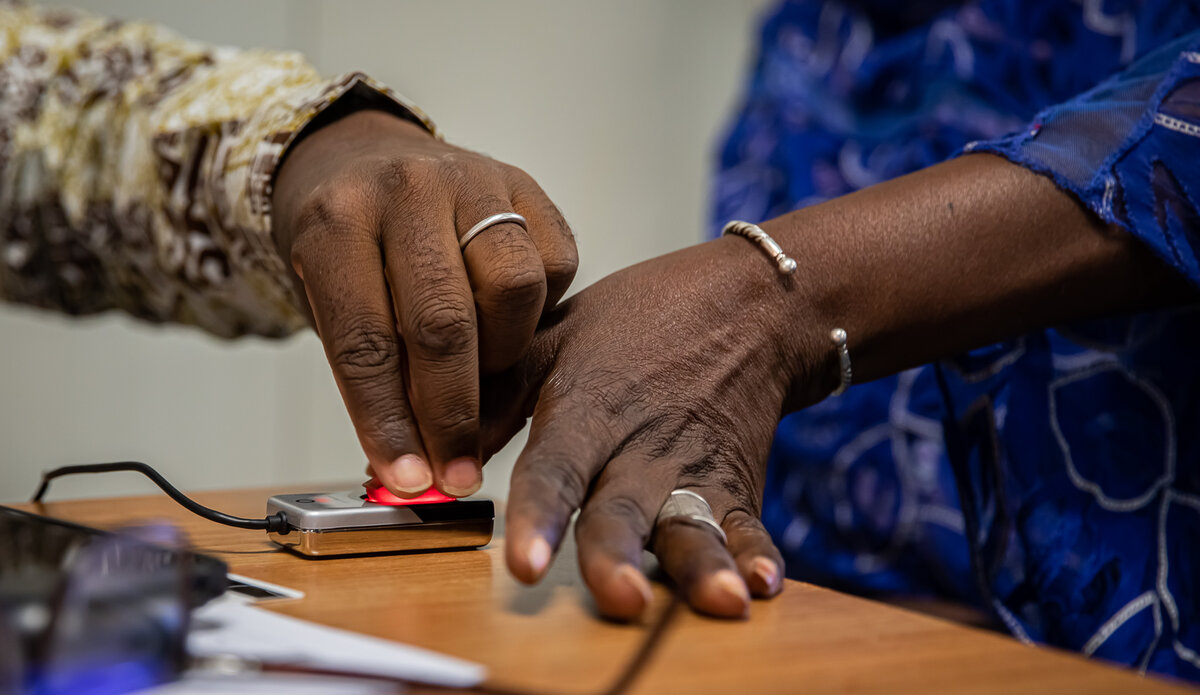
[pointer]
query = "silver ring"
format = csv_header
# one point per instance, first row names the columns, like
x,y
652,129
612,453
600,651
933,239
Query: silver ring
x,y
491,222
687,507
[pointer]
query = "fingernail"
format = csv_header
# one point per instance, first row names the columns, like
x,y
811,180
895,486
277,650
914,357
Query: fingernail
x,y
767,572
462,477
372,484
727,582
631,576
538,555
410,474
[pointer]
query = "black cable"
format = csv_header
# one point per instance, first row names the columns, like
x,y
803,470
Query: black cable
x,y
276,523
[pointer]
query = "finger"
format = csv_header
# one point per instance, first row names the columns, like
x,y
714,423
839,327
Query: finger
x,y
353,316
508,398
507,277
758,560
696,558
613,528
436,314
550,233
549,481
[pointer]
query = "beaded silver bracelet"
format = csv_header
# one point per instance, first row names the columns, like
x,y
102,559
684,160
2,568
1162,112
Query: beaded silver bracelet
x,y
787,265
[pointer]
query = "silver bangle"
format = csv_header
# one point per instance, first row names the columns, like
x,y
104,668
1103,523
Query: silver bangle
x,y
838,336
786,264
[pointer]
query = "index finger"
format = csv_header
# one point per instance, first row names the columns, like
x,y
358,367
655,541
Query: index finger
x,y
353,316
436,312
564,453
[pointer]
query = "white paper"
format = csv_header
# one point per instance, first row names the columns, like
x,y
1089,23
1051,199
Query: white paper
x,y
274,684
232,627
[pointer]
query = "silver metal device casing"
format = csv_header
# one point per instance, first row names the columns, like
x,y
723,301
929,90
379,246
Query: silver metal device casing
x,y
343,523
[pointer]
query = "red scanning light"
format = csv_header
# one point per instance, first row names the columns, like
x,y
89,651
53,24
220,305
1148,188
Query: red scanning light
x,y
381,495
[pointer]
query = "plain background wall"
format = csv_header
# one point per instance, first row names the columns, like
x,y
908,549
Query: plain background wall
x,y
612,105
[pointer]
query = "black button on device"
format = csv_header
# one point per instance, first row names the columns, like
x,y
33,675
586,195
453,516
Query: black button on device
x,y
304,501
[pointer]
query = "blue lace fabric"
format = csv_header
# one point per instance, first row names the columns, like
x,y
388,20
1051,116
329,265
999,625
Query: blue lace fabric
x,y
1052,480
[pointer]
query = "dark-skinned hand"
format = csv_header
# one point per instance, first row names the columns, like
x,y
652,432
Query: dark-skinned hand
x,y
675,372
664,375
368,211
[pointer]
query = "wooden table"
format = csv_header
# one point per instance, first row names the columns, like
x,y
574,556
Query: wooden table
x,y
808,640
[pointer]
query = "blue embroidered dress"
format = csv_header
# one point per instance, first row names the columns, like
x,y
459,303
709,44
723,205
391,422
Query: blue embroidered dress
x,y
1053,480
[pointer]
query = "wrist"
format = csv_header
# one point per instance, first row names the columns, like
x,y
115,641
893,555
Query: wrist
x,y
793,331
324,154
373,122
956,256
360,130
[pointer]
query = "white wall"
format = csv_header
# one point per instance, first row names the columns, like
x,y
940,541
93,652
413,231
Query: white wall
x,y
612,105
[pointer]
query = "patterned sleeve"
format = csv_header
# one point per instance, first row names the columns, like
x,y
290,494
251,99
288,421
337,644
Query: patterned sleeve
x,y
1129,149
136,168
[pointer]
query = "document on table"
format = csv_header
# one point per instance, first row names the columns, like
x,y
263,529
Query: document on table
x,y
193,684
230,626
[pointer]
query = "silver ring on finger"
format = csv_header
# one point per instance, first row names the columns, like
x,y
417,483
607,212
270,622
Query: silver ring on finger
x,y
491,221
687,507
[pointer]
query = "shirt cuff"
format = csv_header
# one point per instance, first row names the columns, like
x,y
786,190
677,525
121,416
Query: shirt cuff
x,y
306,107
1129,150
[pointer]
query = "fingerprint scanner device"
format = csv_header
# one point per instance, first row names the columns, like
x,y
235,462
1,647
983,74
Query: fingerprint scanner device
x,y
330,524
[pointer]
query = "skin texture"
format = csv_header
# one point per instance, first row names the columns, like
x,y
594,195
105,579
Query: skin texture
x,y
666,374
674,372
369,210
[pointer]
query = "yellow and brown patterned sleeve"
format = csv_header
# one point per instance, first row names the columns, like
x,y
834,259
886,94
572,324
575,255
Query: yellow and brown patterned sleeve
x,y
135,169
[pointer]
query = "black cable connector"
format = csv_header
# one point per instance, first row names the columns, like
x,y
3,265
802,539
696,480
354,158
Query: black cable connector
x,y
275,523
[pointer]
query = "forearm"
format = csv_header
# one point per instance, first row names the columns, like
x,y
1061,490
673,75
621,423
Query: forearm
x,y
137,170
953,257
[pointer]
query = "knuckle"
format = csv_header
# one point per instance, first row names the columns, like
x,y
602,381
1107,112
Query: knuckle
x,y
461,169
742,486
520,180
387,437
404,174
454,421
442,327
561,227
561,269
458,161
740,520
449,418
366,351
516,174
527,192
622,508
566,485
334,209
484,204
403,184
334,205
304,254
513,286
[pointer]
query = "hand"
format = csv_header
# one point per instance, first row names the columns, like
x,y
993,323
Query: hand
x,y
672,373
368,210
